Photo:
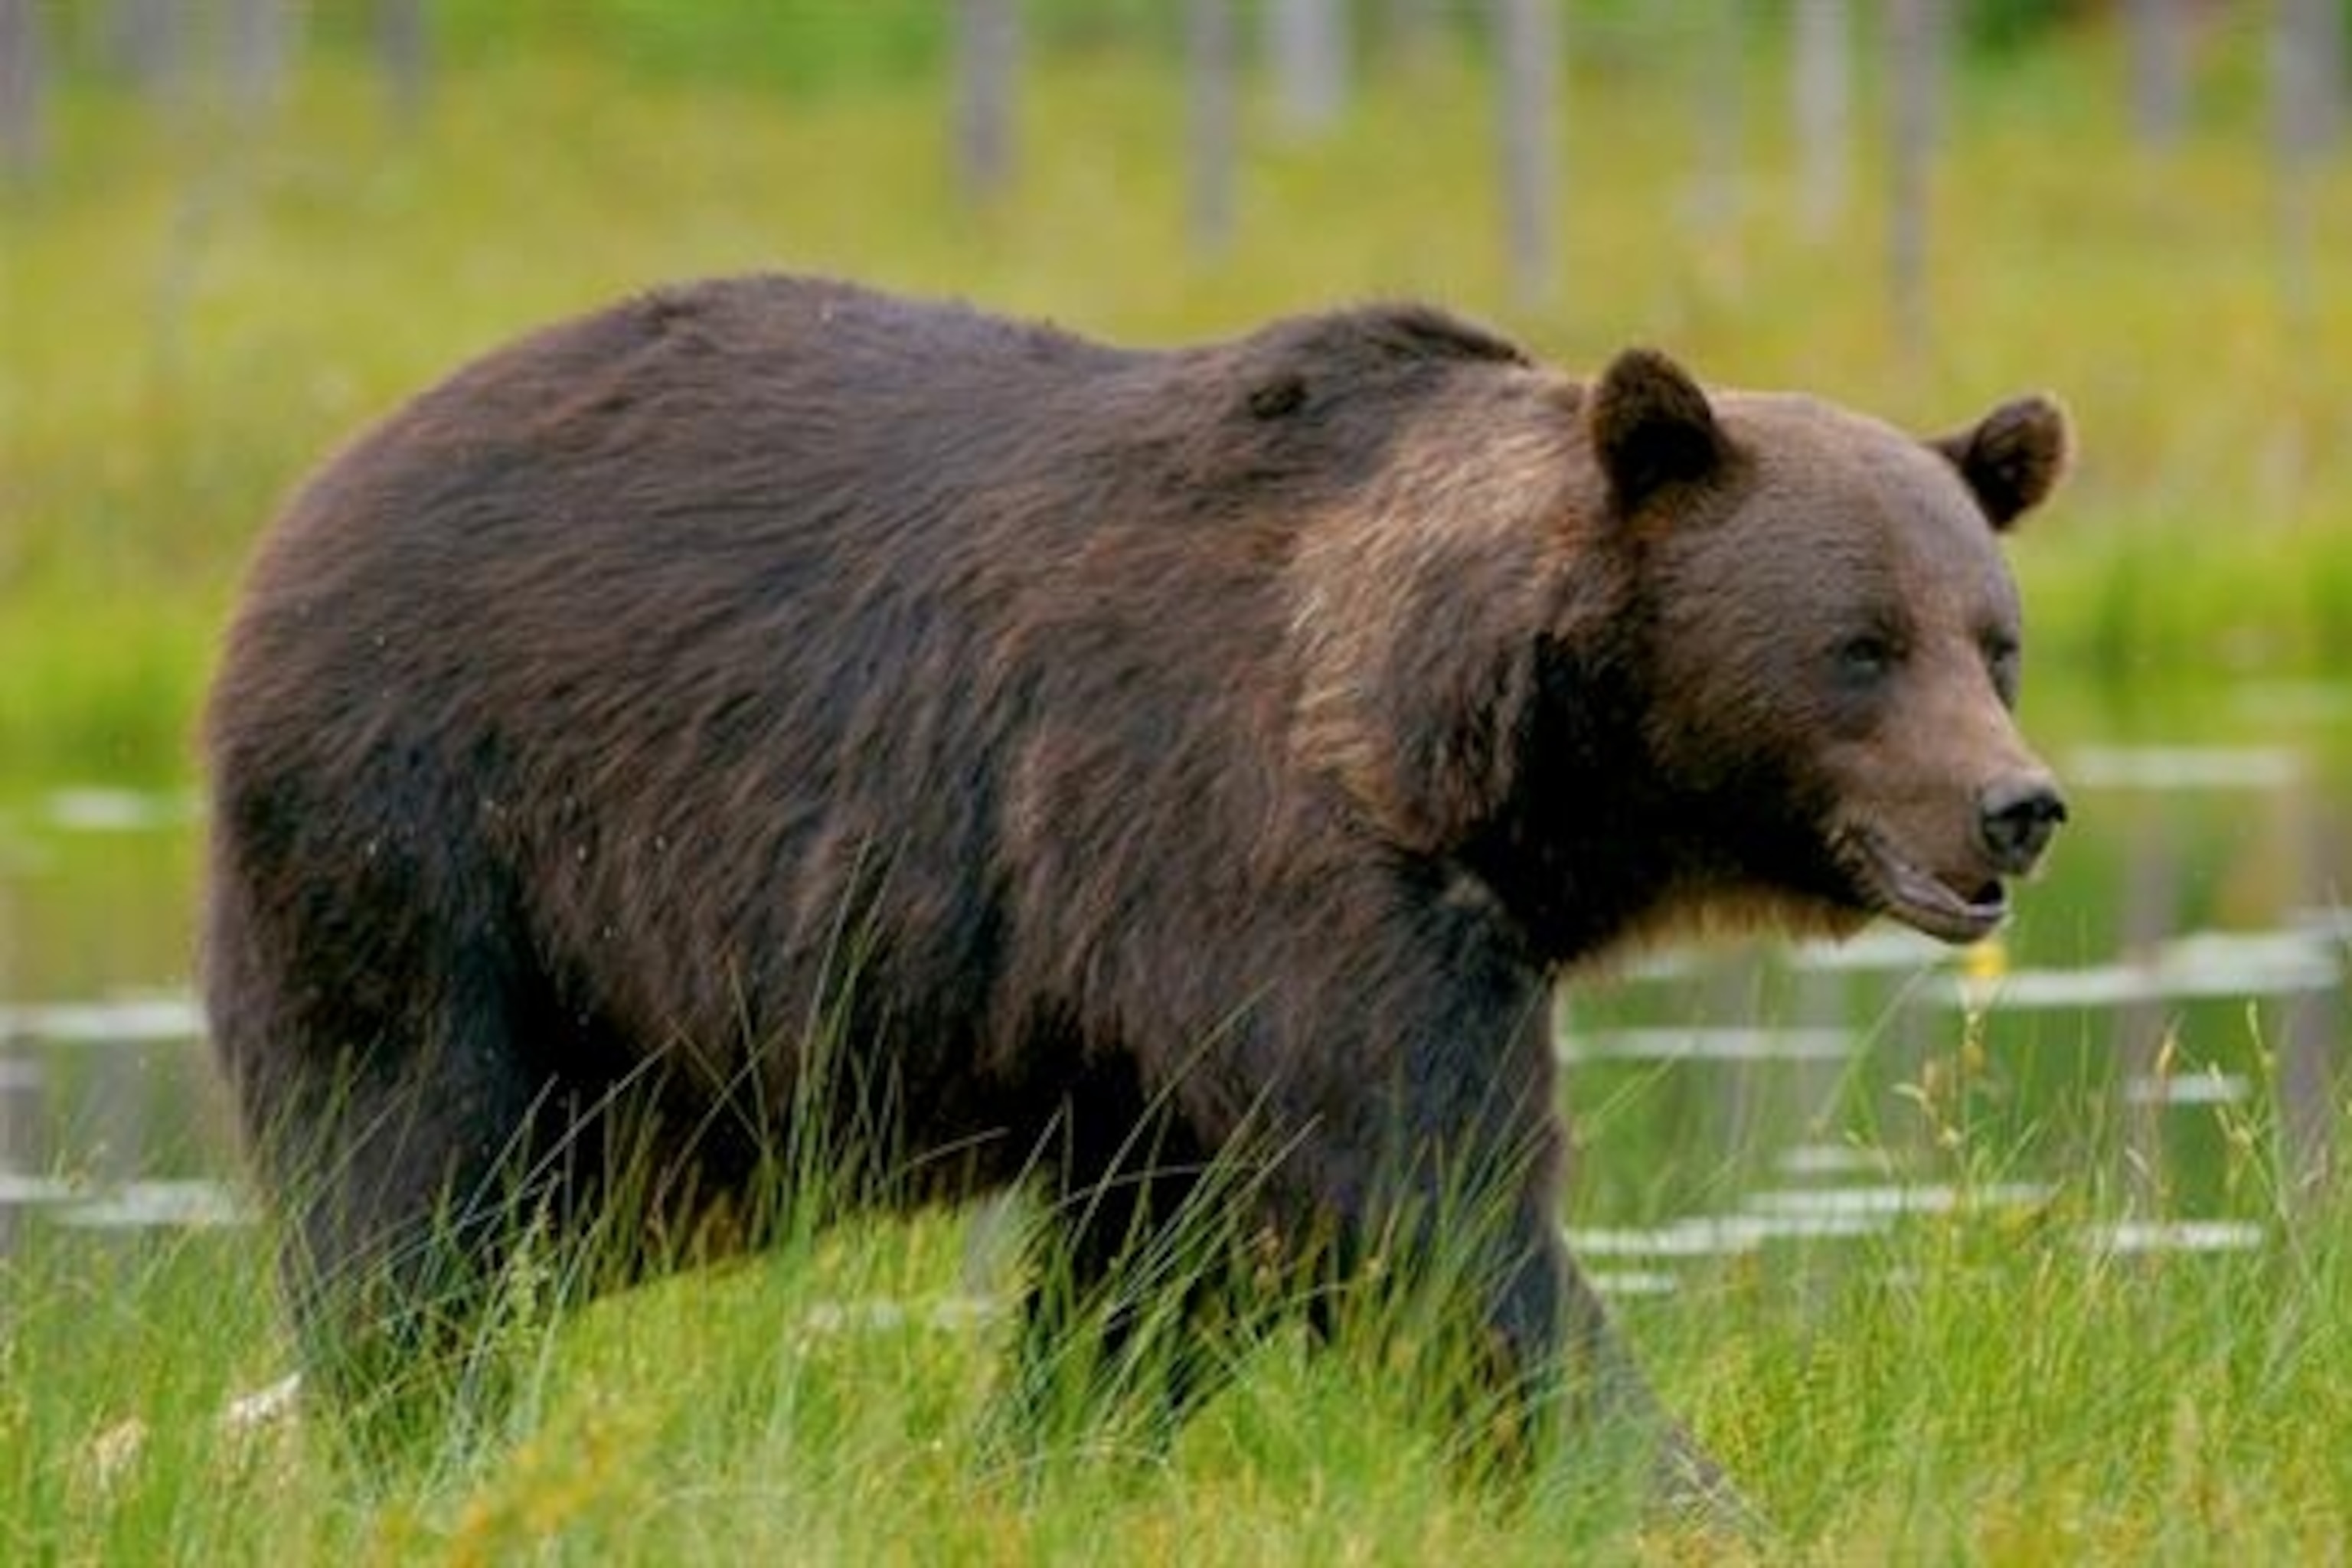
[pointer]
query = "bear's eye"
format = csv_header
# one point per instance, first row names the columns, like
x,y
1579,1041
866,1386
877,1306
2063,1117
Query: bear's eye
x,y
1866,658
2001,659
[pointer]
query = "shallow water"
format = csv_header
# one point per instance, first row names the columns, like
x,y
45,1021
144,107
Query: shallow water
x,y
2152,1054
2171,996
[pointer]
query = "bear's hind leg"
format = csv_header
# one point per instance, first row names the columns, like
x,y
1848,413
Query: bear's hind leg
x,y
405,1261
405,1141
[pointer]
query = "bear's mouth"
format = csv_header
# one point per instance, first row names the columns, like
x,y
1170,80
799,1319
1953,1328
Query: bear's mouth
x,y
1892,885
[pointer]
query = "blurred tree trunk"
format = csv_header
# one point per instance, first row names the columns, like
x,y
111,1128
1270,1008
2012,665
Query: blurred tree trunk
x,y
1716,192
21,143
2160,63
1915,50
1210,69
144,44
255,56
1528,43
988,47
402,47
1413,33
1306,41
2307,64
1822,90
2307,82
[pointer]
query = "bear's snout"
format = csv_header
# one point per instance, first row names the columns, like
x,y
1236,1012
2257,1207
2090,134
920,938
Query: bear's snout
x,y
2016,817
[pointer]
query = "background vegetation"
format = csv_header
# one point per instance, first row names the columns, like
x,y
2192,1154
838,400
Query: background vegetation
x,y
202,290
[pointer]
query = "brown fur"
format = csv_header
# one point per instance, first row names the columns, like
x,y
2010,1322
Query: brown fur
x,y
1113,760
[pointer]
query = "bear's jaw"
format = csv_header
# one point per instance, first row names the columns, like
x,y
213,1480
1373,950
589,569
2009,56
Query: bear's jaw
x,y
1891,884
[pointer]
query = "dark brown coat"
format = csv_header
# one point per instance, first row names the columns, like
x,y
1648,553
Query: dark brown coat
x,y
1232,742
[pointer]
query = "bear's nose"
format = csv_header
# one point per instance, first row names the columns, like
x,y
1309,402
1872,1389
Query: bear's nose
x,y
2017,817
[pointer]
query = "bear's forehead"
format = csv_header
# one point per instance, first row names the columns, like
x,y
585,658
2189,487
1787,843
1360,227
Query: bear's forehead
x,y
1790,425
1861,495
1875,473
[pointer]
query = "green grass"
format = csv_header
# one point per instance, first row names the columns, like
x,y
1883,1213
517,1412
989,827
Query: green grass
x,y
1977,1387
1982,1385
91,690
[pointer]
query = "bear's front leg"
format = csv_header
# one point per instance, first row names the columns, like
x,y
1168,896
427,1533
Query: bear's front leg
x,y
1132,1273
1560,1348
1430,1162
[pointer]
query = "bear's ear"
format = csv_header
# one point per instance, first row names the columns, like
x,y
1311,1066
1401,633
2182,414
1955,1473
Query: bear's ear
x,y
1651,427
2012,457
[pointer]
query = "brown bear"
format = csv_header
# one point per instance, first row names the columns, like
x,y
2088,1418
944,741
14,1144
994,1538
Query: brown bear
x,y
768,723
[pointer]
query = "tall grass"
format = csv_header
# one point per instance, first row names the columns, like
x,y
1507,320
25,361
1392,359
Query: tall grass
x,y
1990,1383
1980,1386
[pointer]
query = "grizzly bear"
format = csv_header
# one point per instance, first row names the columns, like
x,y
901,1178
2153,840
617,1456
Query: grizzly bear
x,y
768,723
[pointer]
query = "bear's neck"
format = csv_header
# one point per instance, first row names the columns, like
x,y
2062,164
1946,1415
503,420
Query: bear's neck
x,y
1590,845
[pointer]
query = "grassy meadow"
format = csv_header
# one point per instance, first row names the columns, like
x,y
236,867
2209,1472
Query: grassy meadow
x,y
195,308
1979,1387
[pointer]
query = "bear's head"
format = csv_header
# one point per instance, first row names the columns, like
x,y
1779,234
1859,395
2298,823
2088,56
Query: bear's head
x,y
1829,644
